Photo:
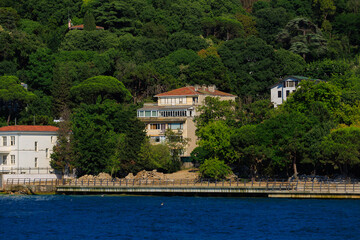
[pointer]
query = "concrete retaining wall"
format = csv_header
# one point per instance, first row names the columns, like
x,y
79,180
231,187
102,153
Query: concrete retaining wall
x,y
201,191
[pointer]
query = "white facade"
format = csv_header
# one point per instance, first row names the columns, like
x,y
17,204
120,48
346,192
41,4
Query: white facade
x,y
282,90
26,149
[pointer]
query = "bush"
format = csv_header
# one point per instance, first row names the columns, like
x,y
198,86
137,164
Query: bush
x,y
214,168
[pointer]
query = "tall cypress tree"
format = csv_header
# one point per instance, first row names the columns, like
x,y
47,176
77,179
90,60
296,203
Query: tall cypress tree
x,y
89,22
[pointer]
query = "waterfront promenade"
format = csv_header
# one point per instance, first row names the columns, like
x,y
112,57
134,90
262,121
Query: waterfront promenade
x,y
185,187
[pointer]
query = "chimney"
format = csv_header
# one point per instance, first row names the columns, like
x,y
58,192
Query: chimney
x,y
196,87
212,88
203,87
69,23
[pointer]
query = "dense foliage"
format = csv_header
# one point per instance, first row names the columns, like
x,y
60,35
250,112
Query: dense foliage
x,y
148,47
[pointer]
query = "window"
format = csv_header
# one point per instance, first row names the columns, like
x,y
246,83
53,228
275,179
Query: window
x,y
147,113
154,113
287,93
170,113
4,141
36,146
175,126
36,162
4,160
195,100
12,141
154,126
279,94
290,83
141,114
47,153
12,159
158,139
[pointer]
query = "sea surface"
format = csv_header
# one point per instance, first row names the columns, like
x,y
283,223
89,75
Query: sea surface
x,y
134,217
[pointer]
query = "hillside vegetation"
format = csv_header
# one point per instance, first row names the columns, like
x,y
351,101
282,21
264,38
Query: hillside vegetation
x,y
96,79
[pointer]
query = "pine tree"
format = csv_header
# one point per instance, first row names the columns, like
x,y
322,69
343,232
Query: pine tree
x,y
61,158
89,22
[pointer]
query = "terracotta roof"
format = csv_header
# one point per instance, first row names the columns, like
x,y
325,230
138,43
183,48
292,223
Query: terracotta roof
x,y
28,128
190,91
81,27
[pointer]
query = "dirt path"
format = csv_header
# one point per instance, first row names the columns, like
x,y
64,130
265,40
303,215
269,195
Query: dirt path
x,y
184,174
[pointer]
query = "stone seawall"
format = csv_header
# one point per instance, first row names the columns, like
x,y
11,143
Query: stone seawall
x,y
30,189
202,191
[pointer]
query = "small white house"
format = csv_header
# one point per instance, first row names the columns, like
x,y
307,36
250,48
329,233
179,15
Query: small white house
x,y
26,149
281,90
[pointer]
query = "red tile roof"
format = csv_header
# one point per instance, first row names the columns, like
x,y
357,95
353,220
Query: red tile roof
x,y
28,128
81,27
190,91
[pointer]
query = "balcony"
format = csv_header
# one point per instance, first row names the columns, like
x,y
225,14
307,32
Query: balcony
x,y
163,119
5,149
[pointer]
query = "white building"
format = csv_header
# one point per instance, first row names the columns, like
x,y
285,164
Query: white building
x,y
26,149
281,90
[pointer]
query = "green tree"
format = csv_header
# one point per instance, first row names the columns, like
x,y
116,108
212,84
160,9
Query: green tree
x,y
270,21
89,41
213,168
62,81
9,18
312,92
89,22
252,152
251,62
288,63
153,30
40,69
341,148
303,37
105,87
209,71
177,145
295,7
142,49
325,7
224,27
155,157
249,24
284,134
107,137
324,69
13,96
40,109
144,81
116,15
213,109
17,46
62,158
215,138
254,112
185,40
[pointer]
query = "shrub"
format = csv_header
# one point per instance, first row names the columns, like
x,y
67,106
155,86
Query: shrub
x,y
214,168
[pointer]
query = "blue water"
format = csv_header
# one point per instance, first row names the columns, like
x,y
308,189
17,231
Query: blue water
x,y
129,217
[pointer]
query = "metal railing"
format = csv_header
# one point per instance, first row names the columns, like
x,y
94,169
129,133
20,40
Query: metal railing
x,y
12,170
259,186
36,181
